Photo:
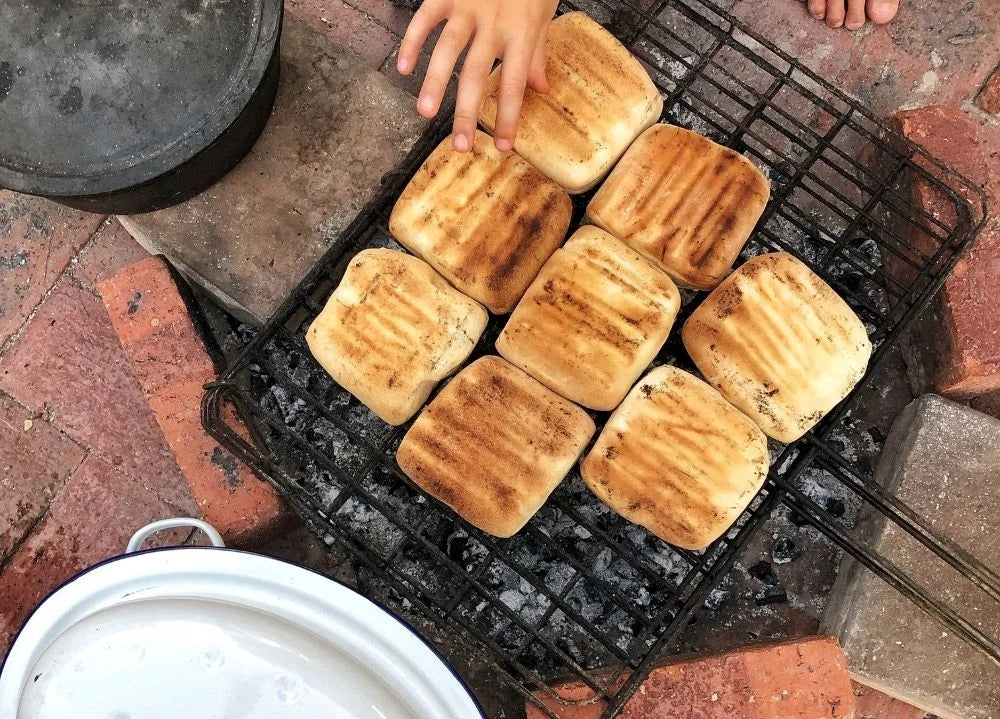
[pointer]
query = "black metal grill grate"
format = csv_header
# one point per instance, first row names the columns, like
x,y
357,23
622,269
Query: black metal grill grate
x,y
580,593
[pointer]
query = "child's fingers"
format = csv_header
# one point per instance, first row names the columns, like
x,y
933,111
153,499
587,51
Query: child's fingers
x,y
424,20
454,38
475,73
513,78
536,76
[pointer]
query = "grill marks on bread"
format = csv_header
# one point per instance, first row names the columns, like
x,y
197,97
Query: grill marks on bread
x,y
600,99
392,330
494,444
486,221
683,201
779,344
592,321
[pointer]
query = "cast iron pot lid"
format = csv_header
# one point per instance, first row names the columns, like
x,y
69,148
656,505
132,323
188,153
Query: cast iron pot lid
x,y
96,97
221,634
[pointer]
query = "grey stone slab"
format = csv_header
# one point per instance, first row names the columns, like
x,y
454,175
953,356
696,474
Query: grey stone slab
x,y
943,460
337,128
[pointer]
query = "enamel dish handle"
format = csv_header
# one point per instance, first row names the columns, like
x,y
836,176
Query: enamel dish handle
x,y
139,538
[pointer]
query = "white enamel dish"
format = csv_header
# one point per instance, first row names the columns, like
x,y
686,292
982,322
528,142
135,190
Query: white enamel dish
x,y
220,634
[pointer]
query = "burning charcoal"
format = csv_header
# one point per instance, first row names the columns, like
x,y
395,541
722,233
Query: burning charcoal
x,y
771,595
762,570
784,551
835,507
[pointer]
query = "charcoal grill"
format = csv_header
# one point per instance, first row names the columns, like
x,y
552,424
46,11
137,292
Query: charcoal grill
x,y
841,202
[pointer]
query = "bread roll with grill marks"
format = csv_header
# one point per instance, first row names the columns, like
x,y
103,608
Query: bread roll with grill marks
x,y
600,99
592,320
392,330
683,201
486,221
678,459
493,445
779,344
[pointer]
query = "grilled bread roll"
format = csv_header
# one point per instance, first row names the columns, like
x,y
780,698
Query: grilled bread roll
x,y
683,201
779,344
600,99
493,445
392,330
592,320
678,459
486,221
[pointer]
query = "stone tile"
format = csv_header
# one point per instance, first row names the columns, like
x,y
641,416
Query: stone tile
x,y
35,462
989,95
872,704
941,459
91,520
108,251
957,343
346,26
337,128
69,366
169,359
804,678
387,13
37,240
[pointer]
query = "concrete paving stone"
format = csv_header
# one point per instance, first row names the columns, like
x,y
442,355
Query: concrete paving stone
x,y
348,27
108,251
872,704
37,240
69,367
169,359
338,127
35,462
988,98
955,349
801,678
943,460
90,520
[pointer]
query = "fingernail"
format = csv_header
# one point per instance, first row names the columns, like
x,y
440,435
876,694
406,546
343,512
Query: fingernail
x,y
461,143
855,25
402,66
425,104
503,144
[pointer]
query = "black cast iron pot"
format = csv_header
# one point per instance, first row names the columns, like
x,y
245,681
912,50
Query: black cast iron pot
x,y
128,106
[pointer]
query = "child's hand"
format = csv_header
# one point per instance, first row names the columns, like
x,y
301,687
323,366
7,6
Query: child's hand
x,y
512,30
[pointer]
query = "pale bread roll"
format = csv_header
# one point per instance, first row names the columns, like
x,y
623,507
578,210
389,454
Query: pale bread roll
x,y
485,220
592,320
392,330
779,344
678,459
600,99
493,445
683,201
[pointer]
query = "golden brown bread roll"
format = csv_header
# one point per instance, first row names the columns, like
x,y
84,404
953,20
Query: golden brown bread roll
x,y
600,99
592,320
678,459
683,201
494,444
779,344
486,221
392,330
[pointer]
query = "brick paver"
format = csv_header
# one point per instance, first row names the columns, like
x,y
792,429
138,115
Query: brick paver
x,y
109,250
69,367
170,361
37,240
872,704
989,96
798,679
347,27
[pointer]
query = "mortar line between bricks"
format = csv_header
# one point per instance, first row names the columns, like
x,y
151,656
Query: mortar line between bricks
x,y
377,22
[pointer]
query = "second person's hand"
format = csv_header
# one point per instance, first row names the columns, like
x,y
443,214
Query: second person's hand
x,y
511,30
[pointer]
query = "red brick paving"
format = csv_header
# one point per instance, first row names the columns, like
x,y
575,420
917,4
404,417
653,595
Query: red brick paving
x,y
109,250
394,18
68,366
37,240
35,462
90,520
969,340
872,704
989,96
805,678
348,27
172,366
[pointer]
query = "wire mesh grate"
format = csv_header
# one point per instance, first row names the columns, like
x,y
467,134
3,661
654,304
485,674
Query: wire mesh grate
x,y
580,593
